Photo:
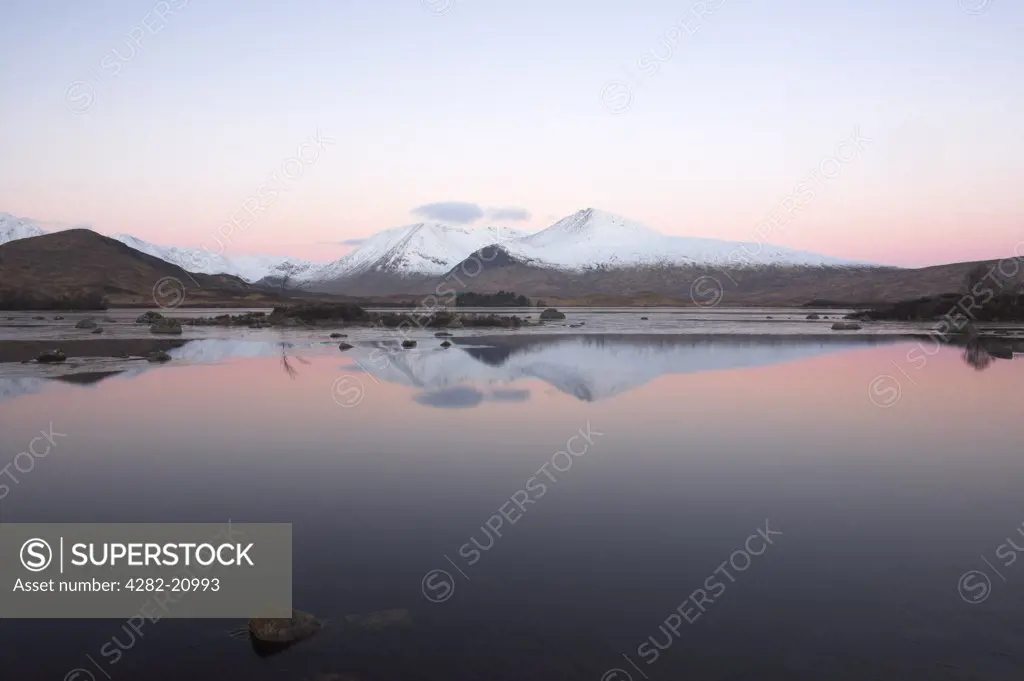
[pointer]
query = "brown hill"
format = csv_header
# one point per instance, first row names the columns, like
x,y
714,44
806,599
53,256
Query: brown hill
x,y
80,264
729,286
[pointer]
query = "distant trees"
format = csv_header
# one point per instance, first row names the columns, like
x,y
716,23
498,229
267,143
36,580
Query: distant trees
x,y
22,299
499,299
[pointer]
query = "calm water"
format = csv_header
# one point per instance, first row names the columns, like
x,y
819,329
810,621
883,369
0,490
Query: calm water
x,y
888,478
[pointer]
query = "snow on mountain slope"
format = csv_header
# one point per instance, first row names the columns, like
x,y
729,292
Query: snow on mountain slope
x,y
586,239
251,268
13,228
594,238
430,248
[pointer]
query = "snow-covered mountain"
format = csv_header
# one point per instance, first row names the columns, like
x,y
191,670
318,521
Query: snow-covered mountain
x,y
12,228
594,238
251,268
424,248
587,239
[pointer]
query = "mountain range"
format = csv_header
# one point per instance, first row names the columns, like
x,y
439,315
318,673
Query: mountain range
x,y
403,259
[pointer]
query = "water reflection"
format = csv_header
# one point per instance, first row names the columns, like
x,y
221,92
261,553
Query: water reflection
x,y
882,510
589,368
477,371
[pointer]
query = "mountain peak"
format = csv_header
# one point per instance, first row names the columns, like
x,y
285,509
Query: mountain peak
x,y
13,228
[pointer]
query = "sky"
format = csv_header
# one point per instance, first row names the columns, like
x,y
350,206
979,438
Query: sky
x,y
895,125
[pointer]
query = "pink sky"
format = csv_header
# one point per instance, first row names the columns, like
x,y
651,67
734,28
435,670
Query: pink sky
x,y
549,108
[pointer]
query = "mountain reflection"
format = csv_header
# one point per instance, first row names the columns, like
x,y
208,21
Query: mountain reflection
x,y
485,370
589,368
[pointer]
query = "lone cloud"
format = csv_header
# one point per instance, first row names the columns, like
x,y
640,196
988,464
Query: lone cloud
x,y
458,212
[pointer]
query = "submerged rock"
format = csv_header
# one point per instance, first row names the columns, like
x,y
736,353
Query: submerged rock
x,y
86,324
158,356
149,318
442,334
814,315
846,326
271,635
550,314
339,335
51,356
58,318
408,344
172,326
644,319
97,330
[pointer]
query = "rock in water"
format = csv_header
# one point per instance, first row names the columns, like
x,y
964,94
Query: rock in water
x,y
846,326
97,330
51,356
446,345
166,326
644,319
86,324
551,313
158,356
408,344
149,318
339,335
343,346
442,334
273,635
814,316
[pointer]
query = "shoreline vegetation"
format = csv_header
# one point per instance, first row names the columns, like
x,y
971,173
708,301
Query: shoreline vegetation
x,y
996,308
335,315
